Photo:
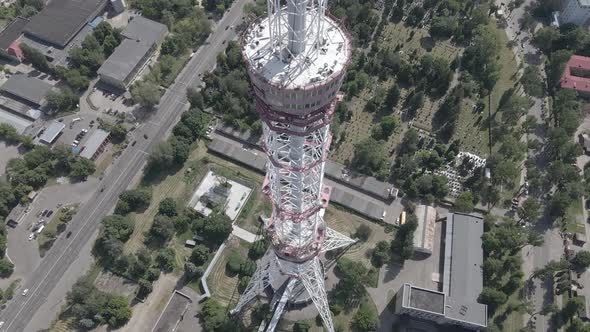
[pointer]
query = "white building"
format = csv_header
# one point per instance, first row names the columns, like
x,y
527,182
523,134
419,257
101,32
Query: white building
x,y
575,11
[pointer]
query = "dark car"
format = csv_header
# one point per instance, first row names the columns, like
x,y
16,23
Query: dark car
x,y
49,213
69,234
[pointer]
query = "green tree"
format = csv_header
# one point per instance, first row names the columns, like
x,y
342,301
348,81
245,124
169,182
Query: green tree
x,y
36,58
381,253
147,94
217,227
63,100
213,315
82,168
365,319
6,268
581,261
492,297
363,232
370,157
403,243
199,255
166,259
464,202
301,326
532,81
530,210
162,230
168,207
545,38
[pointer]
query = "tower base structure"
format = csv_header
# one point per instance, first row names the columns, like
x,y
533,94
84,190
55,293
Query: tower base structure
x,y
304,281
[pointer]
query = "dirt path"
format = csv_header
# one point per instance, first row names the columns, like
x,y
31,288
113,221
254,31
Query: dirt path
x,y
146,314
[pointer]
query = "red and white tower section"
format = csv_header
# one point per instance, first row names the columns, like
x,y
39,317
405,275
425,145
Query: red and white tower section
x,y
296,58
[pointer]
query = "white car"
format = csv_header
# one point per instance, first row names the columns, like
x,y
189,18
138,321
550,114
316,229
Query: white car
x,y
32,236
25,292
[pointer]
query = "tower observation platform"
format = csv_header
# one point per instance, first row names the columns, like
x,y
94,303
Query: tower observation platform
x,y
296,57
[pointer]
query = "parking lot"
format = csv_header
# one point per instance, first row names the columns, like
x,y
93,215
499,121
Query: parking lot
x,y
24,253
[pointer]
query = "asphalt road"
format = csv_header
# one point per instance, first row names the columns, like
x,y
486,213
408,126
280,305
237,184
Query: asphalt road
x,y
41,282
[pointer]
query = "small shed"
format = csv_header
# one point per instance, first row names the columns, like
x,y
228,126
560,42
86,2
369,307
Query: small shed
x,y
190,243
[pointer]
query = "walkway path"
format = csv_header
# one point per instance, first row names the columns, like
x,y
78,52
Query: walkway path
x,y
243,234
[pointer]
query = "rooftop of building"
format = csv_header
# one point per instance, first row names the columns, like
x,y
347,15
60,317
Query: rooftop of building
x,y
94,142
19,123
27,88
61,20
57,56
425,299
366,183
12,31
571,81
305,69
248,158
462,276
357,203
424,234
51,133
144,30
584,3
124,59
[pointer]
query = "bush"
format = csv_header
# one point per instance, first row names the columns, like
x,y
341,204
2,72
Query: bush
x,y
363,232
234,263
199,255
248,268
301,326
168,207
6,268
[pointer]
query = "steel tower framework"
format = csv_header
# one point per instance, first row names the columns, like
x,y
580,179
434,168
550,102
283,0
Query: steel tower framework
x,y
296,58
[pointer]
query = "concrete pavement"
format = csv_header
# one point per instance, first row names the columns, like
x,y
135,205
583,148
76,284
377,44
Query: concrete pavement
x,y
21,310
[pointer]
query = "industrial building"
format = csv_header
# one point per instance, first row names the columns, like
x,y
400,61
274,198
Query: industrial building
x,y
575,11
95,144
576,75
142,37
456,304
8,39
52,133
61,25
25,89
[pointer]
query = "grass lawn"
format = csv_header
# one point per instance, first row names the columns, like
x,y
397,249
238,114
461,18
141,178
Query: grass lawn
x,y
179,186
471,129
223,285
347,223
342,321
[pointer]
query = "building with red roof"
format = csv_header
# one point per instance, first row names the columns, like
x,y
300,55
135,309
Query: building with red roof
x,y
576,75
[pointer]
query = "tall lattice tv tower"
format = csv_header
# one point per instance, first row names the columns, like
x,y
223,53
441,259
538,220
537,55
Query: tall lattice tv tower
x,y
296,58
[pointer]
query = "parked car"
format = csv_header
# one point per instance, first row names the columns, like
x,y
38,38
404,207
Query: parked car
x,y
25,292
31,236
49,213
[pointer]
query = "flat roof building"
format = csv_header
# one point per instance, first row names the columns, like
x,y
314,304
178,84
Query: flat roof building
x,y
26,89
61,20
145,30
424,234
368,184
462,280
576,75
142,38
95,144
19,123
52,132
244,157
